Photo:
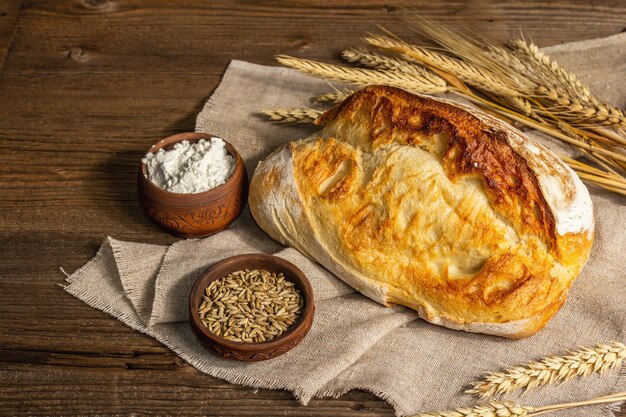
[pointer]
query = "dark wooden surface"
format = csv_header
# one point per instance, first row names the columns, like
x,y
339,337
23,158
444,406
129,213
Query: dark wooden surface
x,y
86,86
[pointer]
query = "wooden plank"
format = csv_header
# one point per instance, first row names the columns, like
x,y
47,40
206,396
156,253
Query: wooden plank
x,y
86,86
9,15
134,391
195,37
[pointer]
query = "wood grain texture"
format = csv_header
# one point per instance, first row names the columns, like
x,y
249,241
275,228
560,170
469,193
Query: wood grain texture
x,y
9,14
86,86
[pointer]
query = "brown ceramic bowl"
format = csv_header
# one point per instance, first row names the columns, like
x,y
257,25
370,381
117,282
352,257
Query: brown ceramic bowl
x,y
194,215
252,351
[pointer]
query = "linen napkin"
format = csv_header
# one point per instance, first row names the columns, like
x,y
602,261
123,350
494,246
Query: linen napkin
x,y
355,343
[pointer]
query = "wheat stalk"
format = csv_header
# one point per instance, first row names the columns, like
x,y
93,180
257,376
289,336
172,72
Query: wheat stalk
x,y
295,115
552,369
511,409
616,135
597,174
362,77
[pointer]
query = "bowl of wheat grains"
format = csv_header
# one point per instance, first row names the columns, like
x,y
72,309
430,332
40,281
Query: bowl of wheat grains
x,y
251,307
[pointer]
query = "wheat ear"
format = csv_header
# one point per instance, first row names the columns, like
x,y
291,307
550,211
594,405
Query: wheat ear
x,y
362,77
568,92
371,59
521,69
296,115
550,370
511,409
466,72
494,408
531,51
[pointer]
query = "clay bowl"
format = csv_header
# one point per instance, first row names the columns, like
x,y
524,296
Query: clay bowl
x,y
243,351
193,215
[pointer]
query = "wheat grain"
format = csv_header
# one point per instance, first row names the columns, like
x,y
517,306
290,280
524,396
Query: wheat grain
x,y
250,306
294,115
333,97
362,77
550,370
524,106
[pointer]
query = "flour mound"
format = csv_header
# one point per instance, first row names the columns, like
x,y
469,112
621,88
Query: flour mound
x,y
190,168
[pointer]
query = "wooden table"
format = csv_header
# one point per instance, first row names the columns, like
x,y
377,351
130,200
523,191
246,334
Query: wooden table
x,y
86,86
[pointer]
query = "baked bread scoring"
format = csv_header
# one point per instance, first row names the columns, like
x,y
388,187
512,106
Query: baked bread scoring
x,y
417,201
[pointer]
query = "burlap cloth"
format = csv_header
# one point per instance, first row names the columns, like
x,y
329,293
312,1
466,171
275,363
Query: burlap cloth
x,y
355,343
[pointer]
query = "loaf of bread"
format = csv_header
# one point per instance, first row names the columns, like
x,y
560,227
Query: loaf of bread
x,y
418,201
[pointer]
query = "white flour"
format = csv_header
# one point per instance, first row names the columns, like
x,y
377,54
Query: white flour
x,y
190,168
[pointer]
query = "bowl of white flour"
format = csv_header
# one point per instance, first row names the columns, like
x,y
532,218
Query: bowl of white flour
x,y
192,184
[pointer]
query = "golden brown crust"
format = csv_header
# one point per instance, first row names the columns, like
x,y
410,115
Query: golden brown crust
x,y
421,203
473,148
